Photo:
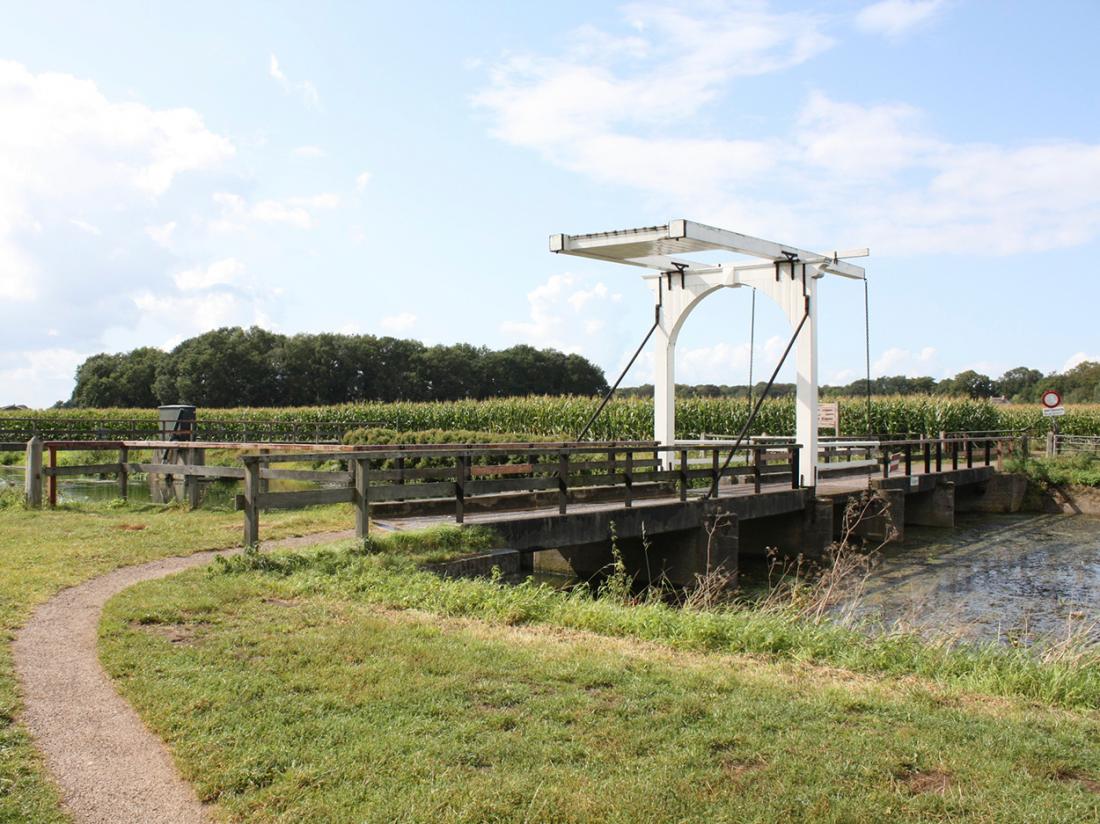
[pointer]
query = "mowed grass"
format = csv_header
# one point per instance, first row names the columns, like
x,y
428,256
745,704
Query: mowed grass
x,y
312,689
44,551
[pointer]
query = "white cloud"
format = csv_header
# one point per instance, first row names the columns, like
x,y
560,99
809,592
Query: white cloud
x,y
302,88
897,361
564,313
219,273
162,235
38,377
294,211
86,227
361,181
894,18
1077,359
308,151
401,322
602,108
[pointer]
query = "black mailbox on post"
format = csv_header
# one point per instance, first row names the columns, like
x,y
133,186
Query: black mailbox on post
x,y
177,422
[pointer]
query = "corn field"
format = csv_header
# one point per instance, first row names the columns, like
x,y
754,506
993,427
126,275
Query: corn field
x,y
627,418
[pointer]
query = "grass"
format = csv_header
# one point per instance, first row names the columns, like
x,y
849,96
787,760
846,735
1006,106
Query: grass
x,y
343,686
44,551
1082,469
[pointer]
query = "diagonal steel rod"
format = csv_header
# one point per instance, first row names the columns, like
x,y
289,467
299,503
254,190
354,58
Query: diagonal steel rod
x,y
759,402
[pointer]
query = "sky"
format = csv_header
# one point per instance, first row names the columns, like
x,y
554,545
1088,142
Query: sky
x,y
382,168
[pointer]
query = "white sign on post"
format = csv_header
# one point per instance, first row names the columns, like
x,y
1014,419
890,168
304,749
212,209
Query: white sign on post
x,y
828,416
1056,412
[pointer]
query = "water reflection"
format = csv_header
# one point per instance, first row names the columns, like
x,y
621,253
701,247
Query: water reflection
x,y
991,577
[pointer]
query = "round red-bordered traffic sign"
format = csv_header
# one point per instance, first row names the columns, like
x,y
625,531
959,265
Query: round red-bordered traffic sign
x,y
1051,399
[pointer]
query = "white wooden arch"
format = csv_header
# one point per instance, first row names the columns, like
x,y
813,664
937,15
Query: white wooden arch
x,y
790,277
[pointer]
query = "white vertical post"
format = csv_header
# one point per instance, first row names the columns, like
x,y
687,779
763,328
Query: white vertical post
x,y
806,385
664,389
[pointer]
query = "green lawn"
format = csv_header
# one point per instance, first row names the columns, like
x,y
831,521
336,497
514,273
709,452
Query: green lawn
x,y
42,552
332,686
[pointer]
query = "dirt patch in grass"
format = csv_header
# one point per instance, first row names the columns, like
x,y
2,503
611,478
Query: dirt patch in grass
x,y
920,782
281,602
1087,782
740,770
130,527
172,633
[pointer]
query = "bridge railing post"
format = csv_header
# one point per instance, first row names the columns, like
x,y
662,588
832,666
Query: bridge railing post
x,y
683,478
885,461
460,488
361,480
628,479
757,460
927,449
908,460
939,455
988,447
969,453
954,454
714,469
251,500
563,482
123,472
792,458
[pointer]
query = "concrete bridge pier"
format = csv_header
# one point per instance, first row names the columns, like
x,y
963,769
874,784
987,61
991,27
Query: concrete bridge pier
x,y
673,544
807,531
934,507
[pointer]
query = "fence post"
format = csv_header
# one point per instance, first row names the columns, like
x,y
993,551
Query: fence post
x,y
195,457
361,481
954,455
460,488
757,455
939,456
927,457
885,461
714,479
32,484
969,453
123,472
1052,446
628,479
251,500
51,482
683,475
563,482
908,460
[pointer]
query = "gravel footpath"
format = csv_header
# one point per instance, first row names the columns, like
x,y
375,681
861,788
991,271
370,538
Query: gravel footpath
x,y
107,764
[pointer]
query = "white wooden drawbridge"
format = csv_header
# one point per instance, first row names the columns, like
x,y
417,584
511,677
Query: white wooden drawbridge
x,y
786,274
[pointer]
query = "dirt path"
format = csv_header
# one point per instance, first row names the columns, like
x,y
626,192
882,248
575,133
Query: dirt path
x,y
109,767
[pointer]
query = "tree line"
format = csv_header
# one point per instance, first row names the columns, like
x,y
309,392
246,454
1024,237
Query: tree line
x,y
254,367
1081,384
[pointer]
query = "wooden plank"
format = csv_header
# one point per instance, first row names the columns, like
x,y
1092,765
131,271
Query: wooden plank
x,y
333,476
510,485
310,497
188,469
501,469
411,492
90,469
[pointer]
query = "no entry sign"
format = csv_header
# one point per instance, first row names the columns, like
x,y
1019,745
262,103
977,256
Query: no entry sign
x,y
1051,399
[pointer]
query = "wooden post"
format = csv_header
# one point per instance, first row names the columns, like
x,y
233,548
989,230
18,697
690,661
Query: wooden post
x,y
757,456
361,480
52,480
988,444
714,479
939,456
123,472
32,483
885,462
954,454
251,500
683,475
460,488
563,482
628,479
264,482
969,453
927,457
908,460
792,457
195,457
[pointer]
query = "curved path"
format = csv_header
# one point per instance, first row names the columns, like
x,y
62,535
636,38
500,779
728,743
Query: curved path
x,y
107,764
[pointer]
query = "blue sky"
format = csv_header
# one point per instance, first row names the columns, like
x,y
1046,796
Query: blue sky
x,y
396,169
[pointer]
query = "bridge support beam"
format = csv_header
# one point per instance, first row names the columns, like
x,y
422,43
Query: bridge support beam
x,y
936,507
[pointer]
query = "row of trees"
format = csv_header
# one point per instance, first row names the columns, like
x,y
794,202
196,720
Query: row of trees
x,y
254,367
1081,384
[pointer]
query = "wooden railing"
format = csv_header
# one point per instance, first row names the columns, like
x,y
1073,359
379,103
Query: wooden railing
x,y
21,430
462,474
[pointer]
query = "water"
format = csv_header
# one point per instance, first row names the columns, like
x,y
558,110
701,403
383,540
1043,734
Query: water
x,y
991,578
81,490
